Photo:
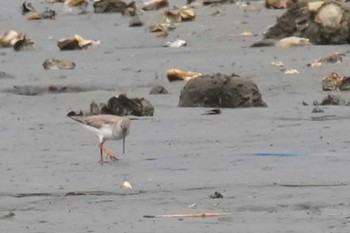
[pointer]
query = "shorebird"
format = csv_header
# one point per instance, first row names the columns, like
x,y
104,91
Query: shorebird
x,y
106,127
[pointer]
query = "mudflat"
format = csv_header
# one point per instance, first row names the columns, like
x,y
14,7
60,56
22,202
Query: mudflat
x,y
281,168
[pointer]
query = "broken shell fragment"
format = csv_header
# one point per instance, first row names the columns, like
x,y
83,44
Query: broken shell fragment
x,y
277,63
176,15
9,38
292,41
314,64
177,74
77,42
74,2
291,71
172,16
176,44
155,5
126,185
58,64
187,14
246,33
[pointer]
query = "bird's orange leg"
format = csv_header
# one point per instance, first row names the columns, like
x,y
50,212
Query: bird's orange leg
x,y
108,153
101,154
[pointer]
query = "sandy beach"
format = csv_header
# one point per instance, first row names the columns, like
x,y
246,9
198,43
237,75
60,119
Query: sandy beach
x,y
279,169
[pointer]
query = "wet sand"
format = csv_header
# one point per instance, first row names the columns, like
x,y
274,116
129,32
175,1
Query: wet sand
x,y
279,169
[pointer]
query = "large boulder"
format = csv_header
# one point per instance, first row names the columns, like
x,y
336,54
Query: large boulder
x,y
322,22
219,90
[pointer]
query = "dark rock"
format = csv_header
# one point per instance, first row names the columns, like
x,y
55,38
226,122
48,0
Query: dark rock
x,y
68,44
109,6
23,44
345,84
27,7
158,90
123,106
216,195
222,91
332,100
58,64
48,14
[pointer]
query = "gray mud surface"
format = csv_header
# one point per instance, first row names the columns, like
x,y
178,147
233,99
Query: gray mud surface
x,y
279,169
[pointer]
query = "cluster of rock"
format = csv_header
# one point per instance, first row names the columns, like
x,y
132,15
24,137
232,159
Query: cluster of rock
x,y
322,22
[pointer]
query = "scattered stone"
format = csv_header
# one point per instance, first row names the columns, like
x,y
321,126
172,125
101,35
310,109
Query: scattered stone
x,y
215,111
23,44
180,75
345,84
47,14
155,5
158,90
331,82
162,29
216,195
332,100
135,21
221,91
110,6
76,43
122,106
27,7
58,64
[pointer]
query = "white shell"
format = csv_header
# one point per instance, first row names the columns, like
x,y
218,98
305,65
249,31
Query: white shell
x,y
126,185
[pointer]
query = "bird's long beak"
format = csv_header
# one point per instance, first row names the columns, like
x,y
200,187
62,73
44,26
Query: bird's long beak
x,y
124,145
